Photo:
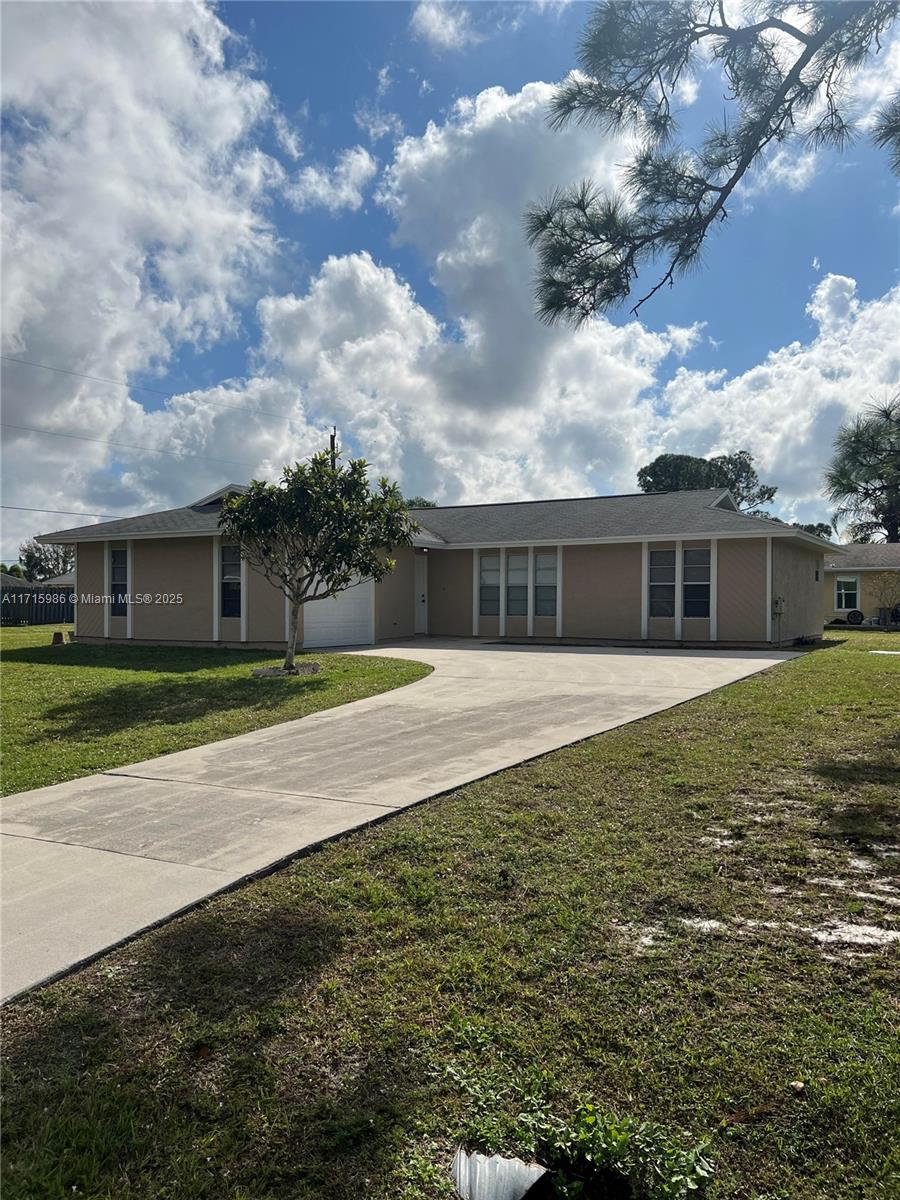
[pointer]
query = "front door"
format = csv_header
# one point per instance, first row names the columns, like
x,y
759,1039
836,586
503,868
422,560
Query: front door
x,y
421,625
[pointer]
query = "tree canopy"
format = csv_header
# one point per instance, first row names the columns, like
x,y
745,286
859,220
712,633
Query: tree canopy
x,y
419,502
322,529
736,472
786,68
864,476
819,528
45,562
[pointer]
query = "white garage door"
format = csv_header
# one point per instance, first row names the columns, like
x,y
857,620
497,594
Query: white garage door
x,y
347,619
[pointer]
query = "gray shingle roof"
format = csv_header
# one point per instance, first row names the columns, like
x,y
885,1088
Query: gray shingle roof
x,y
663,514
201,517
658,514
883,555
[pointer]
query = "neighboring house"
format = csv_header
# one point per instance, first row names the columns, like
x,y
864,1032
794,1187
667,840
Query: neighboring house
x,y
864,579
674,568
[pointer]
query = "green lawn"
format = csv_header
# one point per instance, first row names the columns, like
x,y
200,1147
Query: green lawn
x,y
656,919
72,710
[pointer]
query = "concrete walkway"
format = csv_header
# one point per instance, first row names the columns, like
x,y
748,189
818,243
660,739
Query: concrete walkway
x,y
93,861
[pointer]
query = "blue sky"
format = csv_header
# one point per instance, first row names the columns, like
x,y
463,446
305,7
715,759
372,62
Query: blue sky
x,y
190,230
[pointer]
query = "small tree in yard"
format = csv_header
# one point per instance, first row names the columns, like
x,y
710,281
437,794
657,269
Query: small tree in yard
x,y
885,586
319,531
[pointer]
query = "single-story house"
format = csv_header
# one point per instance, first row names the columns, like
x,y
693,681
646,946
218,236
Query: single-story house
x,y
667,568
864,582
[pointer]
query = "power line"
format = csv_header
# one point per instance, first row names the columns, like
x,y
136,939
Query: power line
x,y
60,512
78,437
137,387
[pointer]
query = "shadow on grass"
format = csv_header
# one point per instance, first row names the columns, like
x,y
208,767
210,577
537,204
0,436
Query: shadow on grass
x,y
172,702
170,1086
168,659
872,785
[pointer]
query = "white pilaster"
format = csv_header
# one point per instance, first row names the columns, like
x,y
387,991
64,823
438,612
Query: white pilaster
x,y
679,590
106,589
559,591
129,587
530,609
645,589
714,589
502,628
216,586
768,589
244,599
476,590
75,594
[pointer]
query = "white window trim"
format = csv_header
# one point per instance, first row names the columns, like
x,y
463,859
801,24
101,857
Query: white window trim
x,y
476,590
559,591
75,595
502,618
713,591
216,588
107,598
129,587
843,579
530,601
244,599
769,598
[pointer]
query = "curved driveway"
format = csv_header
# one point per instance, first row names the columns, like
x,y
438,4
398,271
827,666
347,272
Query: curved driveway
x,y
93,861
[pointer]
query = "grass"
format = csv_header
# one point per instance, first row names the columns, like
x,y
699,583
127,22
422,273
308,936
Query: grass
x,y
72,710
655,921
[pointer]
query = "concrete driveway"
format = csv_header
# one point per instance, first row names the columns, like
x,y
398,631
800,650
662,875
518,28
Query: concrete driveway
x,y
91,862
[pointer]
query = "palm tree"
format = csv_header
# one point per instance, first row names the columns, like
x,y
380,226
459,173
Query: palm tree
x,y
864,476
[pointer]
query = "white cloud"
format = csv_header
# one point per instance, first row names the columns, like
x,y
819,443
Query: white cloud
x,y
135,223
787,168
384,82
287,137
340,187
786,409
375,122
444,25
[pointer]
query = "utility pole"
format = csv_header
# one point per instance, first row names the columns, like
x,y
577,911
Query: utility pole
x,y
333,447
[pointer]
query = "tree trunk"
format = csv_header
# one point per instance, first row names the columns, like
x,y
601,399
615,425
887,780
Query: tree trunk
x,y
292,636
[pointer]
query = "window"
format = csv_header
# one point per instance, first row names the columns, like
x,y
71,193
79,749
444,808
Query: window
x,y
231,581
489,585
696,583
846,592
662,583
118,582
545,584
517,585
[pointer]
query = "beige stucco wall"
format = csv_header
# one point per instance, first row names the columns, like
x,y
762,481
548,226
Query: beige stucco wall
x,y
395,598
794,567
450,593
742,604
868,600
89,577
602,591
166,566
265,609
516,627
695,629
